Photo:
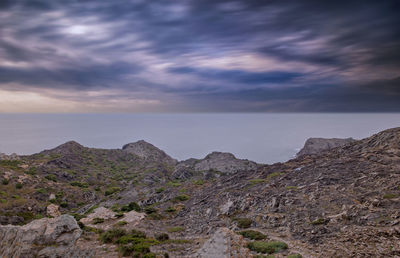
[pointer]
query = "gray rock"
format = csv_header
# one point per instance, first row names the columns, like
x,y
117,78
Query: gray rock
x,y
149,152
42,238
317,145
224,162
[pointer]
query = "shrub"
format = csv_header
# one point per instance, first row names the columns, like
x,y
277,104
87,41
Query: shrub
x,y
170,209
31,171
64,204
181,198
199,182
252,234
162,237
131,206
137,234
5,181
80,184
41,190
121,223
294,256
256,181
150,210
51,178
160,190
112,190
174,184
319,221
112,235
175,229
243,222
389,196
267,247
291,187
18,185
97,220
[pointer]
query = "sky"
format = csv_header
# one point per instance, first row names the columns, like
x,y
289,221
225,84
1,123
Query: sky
x,y
199,56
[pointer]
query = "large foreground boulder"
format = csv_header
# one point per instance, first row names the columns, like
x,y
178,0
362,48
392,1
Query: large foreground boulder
x,y
317,145
42,238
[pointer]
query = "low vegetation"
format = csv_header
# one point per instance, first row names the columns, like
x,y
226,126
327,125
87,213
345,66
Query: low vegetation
x,y
243,222
267,247
253,235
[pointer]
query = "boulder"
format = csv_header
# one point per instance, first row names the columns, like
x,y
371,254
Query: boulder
x,y
53,210
101,212
45,237
224,243
317,145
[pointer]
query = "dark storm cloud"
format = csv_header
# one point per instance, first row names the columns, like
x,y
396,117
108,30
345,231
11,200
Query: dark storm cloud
x,y
319,55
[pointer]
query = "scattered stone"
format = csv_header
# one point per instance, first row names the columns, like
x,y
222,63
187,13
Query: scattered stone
x,y
53,210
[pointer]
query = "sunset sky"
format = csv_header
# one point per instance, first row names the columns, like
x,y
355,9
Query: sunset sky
x,y
199,56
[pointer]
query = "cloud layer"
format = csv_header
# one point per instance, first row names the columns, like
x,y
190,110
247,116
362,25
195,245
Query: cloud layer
x,y
199,56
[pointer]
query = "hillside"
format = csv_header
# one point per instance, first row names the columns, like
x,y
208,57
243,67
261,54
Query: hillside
x,y
341,202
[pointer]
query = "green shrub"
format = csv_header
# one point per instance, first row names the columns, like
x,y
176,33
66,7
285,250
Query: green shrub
x,y
112,235
243,222
112,190
170,209
31,171
150,210
131,206
64,204
5,181
18,185
199,182
294,256
256,181
291,187
181,198
160,190
267,247
121,223
51,178
174,184
97,220
80,184
3,201
252,234
41,190
162,237
175,229
137,233
389,196
319,221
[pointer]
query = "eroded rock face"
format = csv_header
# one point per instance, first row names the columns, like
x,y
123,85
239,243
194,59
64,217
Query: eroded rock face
x,y
317,145
42,238
53,210
224,243
101,213
149,152
224,162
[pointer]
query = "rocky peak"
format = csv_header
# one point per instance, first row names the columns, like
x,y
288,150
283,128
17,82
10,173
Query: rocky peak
x,y
317,145
67,148
148,152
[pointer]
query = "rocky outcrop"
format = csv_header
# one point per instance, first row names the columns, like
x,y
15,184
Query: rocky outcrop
x,y
9,157
42,238
53,210
149,152
224,162
224,243
101,213
317,145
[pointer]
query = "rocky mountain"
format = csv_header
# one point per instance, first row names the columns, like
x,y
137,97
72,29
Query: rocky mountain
x,y
317,145
343,202
149,152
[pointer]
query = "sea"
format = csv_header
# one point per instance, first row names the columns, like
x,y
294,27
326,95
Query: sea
x,y
261,137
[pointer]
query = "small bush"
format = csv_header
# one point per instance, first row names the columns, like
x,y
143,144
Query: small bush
x,y
5,181
175,229
112,235
160,190
181,198
137,233
31,171
64,205
97,220
41,190
252,234
319,221
243,222
174,184
121,223
389,196
199,182
291,187
267,247
18,185
112,190
80,184
256,181
294,256
131,206
150,210
51,178
170,209
162,237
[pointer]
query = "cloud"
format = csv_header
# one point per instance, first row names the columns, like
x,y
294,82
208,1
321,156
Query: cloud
x,y
246,55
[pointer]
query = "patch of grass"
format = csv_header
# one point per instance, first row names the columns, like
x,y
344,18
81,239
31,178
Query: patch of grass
x,y
5,181
162,237
112,235
11,164
131,206
294,256
274,174
150,210
291,188
181,198
112,190
80,184
18,185
51,178
243,222
174,184
389,196
41,190
121,223
160,190
267,247
252,234
175,229
170,209
97,220
199,182
257,181
32,171
319,221
91,209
